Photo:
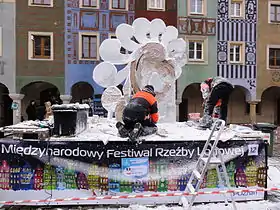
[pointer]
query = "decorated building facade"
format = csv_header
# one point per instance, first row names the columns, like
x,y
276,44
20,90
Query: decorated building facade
x,y
229,29
236,54
7,58
268,62
39,54
163,9
197,25
87,24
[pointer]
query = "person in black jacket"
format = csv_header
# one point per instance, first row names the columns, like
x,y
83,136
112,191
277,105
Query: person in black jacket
x,y
140,115
31,110
213,90
41,112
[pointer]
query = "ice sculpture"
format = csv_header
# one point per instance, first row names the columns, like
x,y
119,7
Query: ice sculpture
x,y
154,55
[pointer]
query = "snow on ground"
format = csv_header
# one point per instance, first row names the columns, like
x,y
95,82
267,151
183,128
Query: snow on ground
x,y
256,205
274,173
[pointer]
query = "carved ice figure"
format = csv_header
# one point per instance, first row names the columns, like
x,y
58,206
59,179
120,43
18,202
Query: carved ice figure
x,y
155,56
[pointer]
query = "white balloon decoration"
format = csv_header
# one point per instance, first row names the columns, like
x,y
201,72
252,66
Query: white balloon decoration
x,y
157,57
110,98
109,51
124,33
157,29
105,74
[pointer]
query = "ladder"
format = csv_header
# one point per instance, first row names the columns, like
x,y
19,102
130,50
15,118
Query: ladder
x,y
214,158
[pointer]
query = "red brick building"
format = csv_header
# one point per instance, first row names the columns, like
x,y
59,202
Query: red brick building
x,y
163,9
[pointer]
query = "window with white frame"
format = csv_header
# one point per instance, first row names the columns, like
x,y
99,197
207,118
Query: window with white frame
x,y
119,4
236,51
40,45
156,4
196,6
236,8
1,42
88,46
274,58
41,3
89,3
196,50
275,13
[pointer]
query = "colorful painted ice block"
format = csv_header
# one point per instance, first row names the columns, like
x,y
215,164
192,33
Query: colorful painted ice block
x,y
82,181
222,183
162,170
26,177
172,184
49,177
161,167
172,177
60,178
261,176
203,184
104,179
212,179
240,178
152,183
138,186
182,182
162,185
15,177
231,169
70,178
126,186
114,177
4,175
38,178
93,177
251,173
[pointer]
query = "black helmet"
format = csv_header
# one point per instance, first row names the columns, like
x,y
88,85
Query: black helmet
x,y
149,89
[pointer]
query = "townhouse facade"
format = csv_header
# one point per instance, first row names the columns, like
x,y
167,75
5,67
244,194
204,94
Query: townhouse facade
x,y
57,44
7,60
39,52
88,23
162,9
236,55
197,25
268,62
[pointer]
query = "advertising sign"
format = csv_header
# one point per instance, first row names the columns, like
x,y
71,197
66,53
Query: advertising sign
x,y
34,169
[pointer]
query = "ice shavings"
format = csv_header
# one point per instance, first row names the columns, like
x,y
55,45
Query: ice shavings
x,y
75,106
105,130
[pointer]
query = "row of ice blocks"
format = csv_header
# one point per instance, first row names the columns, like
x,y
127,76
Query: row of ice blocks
x,y
111,178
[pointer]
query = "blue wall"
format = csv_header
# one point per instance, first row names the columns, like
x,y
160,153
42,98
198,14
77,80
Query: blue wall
x,y
102,21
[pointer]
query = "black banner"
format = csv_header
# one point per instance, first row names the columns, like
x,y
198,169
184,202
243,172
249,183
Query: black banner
x,y
122,167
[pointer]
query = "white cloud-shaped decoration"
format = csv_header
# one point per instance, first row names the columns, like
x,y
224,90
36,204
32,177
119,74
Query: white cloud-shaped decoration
x,y
154,55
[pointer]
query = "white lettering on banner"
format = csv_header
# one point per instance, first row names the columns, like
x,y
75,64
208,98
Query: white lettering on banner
x,y
35,151
129,153
226,151
179,152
